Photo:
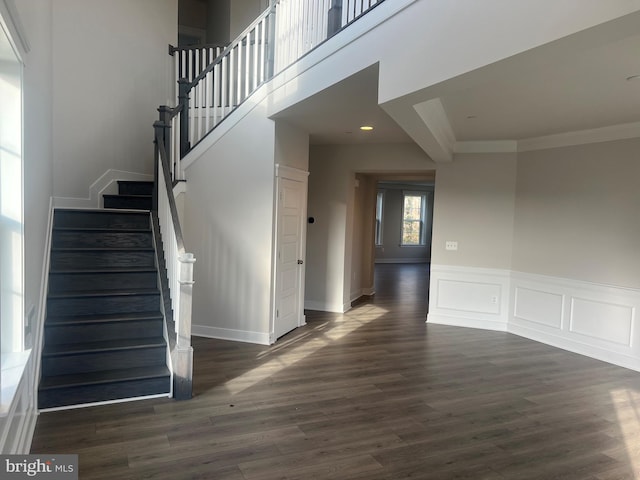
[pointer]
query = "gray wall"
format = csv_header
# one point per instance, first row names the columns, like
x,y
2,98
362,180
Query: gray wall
x,y
577,213
474,205
391,249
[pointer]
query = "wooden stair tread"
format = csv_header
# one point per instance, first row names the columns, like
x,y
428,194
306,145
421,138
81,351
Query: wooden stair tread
x,y
101,269
104,293
102,318
104,346
127,195
101,211
102,249
104,376
103,229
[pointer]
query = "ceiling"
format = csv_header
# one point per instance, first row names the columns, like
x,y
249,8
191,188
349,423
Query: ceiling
x,y
334,115
573,84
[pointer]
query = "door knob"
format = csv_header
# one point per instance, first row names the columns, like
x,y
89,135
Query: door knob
x,y
300,262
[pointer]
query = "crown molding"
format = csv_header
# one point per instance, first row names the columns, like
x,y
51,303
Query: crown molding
x,y
581,137
486,146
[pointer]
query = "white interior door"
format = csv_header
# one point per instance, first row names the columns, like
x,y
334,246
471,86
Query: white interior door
x,y
291,208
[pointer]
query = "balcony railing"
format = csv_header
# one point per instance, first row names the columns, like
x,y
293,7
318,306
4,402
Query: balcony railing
x,y
280,36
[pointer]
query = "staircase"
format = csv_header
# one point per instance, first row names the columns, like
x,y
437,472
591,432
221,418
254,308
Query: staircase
x,y
103,335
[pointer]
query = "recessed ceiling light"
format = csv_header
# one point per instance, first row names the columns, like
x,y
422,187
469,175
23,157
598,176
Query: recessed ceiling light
x,y
633,77
366,128
471,117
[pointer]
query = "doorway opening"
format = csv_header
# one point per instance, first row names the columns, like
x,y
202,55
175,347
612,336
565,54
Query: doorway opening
x,y
392,231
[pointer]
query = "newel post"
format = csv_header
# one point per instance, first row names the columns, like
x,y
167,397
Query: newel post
x,y
334,18
184,87
183,363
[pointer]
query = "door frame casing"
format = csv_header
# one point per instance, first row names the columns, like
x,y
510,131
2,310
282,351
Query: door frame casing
x,y
301,176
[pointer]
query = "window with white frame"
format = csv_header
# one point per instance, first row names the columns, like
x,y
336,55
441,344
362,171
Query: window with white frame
x,y
414,207
11,221
379,207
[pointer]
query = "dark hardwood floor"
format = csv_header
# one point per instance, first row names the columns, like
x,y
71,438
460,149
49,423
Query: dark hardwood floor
x,y
375,393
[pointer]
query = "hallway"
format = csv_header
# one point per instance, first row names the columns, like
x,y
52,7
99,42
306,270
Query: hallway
x,y
375,393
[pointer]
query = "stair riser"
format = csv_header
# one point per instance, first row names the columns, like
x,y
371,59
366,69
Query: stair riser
x,y
95,362
89,239
133,203
86,282
82,260
100,219
135,188
71,306
96,332
57,397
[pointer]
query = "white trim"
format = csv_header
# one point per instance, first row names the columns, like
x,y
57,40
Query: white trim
x,y
551,315
438,138
326,307
455,321
596,135
295,174
207,331
20,413
486,146
609,133
10,19
107,183
107,402
38,333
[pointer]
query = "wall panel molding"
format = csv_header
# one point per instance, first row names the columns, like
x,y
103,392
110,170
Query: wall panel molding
x,y
469,297
596,320
591,319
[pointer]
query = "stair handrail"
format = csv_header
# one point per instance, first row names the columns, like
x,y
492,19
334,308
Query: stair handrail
x,y
179,263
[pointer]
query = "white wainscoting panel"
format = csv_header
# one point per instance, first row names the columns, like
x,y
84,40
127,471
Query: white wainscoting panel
x,y
602,320
469,297
595,320
544,308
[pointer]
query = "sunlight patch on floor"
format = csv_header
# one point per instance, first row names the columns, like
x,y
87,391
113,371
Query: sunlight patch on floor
x,y
627,404
304,346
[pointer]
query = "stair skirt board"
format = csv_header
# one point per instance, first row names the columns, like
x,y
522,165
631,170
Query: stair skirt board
x,y
104,332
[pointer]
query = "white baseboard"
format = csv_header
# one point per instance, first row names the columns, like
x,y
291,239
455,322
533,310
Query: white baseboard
x,y
230,334
326,307
106,184
466,322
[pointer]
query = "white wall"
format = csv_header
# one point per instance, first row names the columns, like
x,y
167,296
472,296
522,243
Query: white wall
x,y
111,71
229,227
292,146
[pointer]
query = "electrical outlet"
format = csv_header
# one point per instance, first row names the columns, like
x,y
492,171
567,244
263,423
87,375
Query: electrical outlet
x,y
494,300
451,245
